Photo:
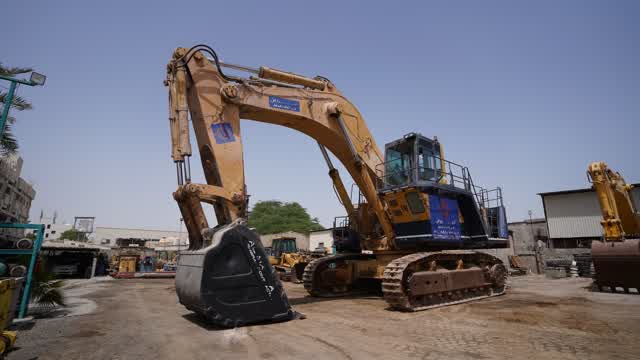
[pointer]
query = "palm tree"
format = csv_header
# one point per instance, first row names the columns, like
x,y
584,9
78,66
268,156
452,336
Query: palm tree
x,y
46,291
8,143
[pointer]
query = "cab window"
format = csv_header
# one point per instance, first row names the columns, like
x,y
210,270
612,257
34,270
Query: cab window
x,y
428,163
397,167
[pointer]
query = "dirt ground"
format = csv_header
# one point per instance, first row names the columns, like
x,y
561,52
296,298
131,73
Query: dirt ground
x,y
538,318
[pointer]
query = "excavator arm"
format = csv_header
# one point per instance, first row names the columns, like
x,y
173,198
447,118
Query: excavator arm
x,y
620,217
216,103
616,259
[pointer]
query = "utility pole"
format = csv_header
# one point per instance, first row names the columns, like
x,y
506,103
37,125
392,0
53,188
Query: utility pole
x,y
35,80
535,243
531,227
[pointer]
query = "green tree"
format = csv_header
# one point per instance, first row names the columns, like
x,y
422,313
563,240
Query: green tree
x,y
269,217
73,234
8,142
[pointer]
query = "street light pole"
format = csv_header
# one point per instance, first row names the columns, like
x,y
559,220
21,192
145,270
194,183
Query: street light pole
x,y
36,79
535,243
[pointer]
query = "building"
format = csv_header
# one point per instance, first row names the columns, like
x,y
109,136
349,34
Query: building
x,y
321,239
52,228
16,194
169,243
66,258
573,217
302,240
114,237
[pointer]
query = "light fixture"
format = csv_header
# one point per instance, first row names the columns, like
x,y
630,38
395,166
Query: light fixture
x,y
38,79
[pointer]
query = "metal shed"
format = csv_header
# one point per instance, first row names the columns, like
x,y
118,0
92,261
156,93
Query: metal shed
x,y
573,216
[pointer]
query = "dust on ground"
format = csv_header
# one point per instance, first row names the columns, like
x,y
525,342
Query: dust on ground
x,y
538,318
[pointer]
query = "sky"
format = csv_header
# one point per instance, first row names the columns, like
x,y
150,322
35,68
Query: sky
x,y
525,94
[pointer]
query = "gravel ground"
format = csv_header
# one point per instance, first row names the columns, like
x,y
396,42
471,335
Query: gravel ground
x,y
538,318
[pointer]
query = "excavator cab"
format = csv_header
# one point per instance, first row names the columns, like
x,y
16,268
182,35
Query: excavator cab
x,y
282,245
434,203
411,159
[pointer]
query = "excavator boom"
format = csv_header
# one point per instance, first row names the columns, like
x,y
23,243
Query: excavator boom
x,y
217,102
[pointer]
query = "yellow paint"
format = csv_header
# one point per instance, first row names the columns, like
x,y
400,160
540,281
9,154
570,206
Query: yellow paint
x,y
127,264
619,215
399,210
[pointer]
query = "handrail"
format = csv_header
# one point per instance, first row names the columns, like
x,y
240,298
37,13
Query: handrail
x,y
456,175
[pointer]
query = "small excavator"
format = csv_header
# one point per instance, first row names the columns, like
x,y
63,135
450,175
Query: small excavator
x,y
415,233
616,259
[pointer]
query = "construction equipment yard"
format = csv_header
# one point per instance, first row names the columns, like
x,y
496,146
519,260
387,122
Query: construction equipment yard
x,y
329,181
539,318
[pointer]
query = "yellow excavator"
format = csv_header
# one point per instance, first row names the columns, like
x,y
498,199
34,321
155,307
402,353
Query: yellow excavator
x,y
287,260
616,258
413,234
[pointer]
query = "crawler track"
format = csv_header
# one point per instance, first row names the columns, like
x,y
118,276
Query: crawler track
x,y
397,292
312,276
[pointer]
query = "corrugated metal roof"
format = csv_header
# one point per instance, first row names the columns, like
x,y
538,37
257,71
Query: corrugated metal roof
x,y
56,244
574,191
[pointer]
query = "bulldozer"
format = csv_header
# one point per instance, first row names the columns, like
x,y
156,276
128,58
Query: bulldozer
x,y
616,258
416,231
285,258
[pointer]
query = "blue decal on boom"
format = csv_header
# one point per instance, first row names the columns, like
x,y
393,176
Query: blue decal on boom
x,y
223,133
284,104
445,223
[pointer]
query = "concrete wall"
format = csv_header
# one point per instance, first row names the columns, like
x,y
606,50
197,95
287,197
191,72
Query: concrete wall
x,y
322,236
302,240
524,235
563,253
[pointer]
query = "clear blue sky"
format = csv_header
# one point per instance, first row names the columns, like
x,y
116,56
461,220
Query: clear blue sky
x,y
524,93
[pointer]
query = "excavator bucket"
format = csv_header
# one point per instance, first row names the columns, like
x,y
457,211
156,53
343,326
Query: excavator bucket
x,y
230,282
617,264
